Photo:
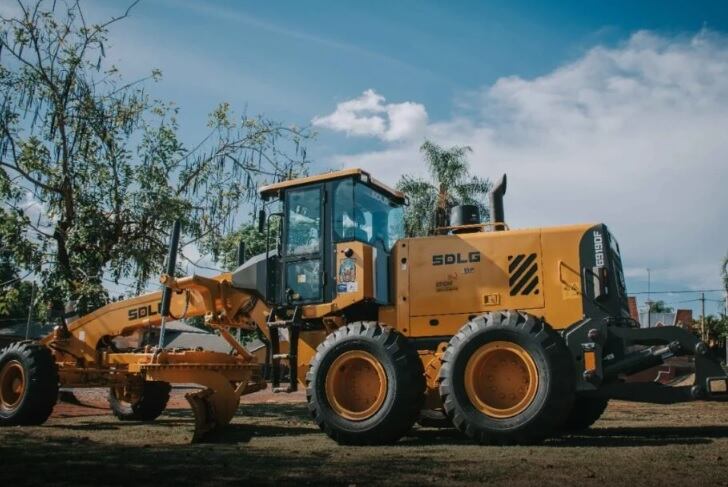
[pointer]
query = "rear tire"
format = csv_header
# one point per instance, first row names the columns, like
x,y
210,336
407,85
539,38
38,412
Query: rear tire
x,y
585,412
365,386
517,389
28,384
151,402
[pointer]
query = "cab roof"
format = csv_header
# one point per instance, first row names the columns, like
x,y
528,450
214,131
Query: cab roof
x,y
272,190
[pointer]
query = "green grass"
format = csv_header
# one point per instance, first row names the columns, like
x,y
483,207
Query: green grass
x,y
275,443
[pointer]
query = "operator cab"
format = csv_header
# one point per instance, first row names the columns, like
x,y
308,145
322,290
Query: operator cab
x,y
332,226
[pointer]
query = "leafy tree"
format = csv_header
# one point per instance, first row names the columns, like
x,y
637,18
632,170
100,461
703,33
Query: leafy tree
x,y
102,163
254,242
16,262
716,326
724,273
659,306
450,184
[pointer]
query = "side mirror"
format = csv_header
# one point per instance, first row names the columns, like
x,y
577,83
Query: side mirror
x,y
261,221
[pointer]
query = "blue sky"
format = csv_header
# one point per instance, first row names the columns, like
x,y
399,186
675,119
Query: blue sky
x,y
599,111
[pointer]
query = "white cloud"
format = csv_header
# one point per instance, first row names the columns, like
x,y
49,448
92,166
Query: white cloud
x,y
369,115
633,135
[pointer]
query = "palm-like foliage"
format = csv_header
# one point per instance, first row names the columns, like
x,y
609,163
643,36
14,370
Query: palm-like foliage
x,y
724,272
450,184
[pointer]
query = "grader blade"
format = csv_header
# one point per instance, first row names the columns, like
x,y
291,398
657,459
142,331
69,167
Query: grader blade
x,y
203,409
215,405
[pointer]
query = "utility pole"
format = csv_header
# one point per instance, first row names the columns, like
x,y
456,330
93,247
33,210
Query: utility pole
x,y
649,301
702,316
725,318
30,310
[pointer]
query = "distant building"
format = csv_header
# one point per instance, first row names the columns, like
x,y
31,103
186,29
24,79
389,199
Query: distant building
x,y
681,317
633,311
684,318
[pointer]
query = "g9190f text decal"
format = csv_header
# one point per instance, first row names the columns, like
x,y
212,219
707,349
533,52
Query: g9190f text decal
x,y
599,248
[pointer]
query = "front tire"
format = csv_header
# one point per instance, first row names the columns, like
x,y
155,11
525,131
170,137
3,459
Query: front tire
x,y
365,386
507,378
145,405
28,384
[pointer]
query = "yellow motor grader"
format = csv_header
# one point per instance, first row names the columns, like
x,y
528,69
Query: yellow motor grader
x,y
509,335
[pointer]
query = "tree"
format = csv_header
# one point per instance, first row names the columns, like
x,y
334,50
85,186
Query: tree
x,y
660,307
102,163
16,262
724,273
253,240
450,184
716,326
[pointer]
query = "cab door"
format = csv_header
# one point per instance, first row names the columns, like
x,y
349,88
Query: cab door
x,y
303,246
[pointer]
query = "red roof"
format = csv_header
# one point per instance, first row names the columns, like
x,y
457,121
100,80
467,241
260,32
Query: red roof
x,y
684,316
632,302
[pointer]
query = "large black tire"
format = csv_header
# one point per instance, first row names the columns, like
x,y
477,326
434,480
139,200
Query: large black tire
x,y
151,403
402,398
552,394
585,412
28,384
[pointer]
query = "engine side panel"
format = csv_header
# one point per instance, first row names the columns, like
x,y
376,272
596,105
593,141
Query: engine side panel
x,y
442,281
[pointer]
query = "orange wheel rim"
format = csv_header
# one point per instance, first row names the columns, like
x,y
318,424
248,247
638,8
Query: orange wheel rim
x,y
501,379
356,385
12,385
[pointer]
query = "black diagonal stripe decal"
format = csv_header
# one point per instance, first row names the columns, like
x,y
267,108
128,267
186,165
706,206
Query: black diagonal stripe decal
x,y
515,276
524,280
530,286
514,263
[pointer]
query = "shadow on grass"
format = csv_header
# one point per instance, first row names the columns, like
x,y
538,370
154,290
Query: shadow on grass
x,y
36,457
595,437
642,436
291,420
69,461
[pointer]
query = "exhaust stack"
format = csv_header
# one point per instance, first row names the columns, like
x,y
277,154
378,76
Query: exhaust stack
x,y
497,213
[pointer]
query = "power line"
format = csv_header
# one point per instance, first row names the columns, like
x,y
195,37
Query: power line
x,y
685,301
696,291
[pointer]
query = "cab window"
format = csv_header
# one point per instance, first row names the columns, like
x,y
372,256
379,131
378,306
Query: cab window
x,y
362,213
304,221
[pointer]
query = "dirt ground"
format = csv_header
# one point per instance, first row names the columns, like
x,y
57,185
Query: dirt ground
x,y
272,441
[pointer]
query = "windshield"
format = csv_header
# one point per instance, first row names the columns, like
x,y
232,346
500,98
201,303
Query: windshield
x,y
362,213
